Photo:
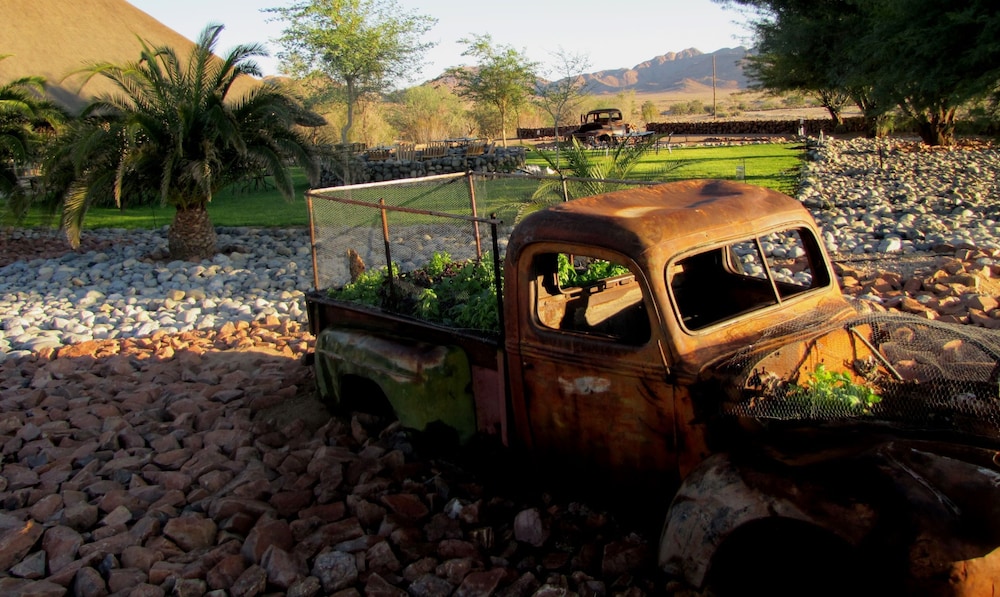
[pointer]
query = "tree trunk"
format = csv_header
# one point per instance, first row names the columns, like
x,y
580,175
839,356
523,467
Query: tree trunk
x,y
191,235
937,127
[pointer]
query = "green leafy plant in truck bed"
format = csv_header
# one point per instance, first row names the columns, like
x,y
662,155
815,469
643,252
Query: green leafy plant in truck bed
x,y
455,293
833,390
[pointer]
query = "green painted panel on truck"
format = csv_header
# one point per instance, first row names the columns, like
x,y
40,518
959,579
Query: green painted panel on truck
x,y
424,383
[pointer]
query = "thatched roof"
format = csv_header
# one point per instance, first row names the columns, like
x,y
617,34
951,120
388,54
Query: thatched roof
x,y
54,38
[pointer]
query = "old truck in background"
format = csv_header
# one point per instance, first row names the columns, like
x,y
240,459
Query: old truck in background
x,y
600,126
795,442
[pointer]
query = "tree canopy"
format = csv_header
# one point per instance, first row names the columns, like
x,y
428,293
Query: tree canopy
x,y
925,57
364,46
502,78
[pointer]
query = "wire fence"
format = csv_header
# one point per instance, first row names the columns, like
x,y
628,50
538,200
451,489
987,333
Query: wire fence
x,y
402,224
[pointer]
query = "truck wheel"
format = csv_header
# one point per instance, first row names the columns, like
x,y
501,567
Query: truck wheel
x,y
362,394
786,557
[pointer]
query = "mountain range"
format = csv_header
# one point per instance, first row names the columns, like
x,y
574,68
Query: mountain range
x,y
52,38
675,71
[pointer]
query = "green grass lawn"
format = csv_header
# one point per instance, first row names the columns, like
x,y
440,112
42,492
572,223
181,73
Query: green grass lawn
x,y
774,166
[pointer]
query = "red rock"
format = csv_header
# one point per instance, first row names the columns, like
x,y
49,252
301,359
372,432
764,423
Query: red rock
x,y
330,534
30,588
528,527
191,532
170,499
31,567
189,587
107,531
161,571
120,579
225,507
15,543
228,440
265,533
214,481
147,590
19,477
204,461
288,503
455,571
982,302
282,568
380,587
119,516
172,459
46,507
89,583
306,587
480,583
381,559
326,512
455,548
119,498
621,557
335,570
139,557
111,545
251,583
406,505
224,574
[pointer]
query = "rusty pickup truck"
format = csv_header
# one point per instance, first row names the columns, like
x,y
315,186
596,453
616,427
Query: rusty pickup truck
x,y
795,441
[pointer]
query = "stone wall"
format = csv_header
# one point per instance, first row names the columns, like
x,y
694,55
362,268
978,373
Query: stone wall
x,y
364,170
724,127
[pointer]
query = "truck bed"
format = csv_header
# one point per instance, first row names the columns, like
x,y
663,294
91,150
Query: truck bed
x,y
324,312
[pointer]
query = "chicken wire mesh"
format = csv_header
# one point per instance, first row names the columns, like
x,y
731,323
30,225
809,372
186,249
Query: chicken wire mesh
x,y
425,216
885,367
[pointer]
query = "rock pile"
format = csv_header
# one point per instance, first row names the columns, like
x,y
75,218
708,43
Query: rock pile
x,y
183,465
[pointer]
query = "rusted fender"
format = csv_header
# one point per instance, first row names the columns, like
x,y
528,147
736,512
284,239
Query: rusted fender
x,y
924,513
424,383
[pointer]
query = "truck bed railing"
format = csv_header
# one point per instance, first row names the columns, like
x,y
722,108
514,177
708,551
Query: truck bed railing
x,y
424,216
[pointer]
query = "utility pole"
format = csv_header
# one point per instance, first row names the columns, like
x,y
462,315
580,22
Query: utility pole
x,y
714,111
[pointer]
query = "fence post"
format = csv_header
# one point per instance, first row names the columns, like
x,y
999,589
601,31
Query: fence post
x,y
388,253
475,225
312,240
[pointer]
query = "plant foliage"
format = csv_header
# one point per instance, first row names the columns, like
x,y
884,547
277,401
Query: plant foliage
x,y
827,389
173,130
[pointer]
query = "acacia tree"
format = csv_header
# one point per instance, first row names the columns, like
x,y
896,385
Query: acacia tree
x,y
428,112
170,131
930,57
502,78
925,56
563,96
363,46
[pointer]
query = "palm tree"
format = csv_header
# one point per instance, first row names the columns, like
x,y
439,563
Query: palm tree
x,y
24,117
171,132
584,172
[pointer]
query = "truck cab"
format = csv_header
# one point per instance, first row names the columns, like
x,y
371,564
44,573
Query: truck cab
x,y
600,126
618,358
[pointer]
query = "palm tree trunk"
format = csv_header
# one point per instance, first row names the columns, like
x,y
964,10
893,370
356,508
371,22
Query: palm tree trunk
x,y
191,235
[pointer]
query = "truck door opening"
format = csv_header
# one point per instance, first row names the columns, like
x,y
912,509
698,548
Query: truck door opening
x,y
590,295
722,282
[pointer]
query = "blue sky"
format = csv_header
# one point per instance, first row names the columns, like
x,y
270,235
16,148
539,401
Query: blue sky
x,y
612,34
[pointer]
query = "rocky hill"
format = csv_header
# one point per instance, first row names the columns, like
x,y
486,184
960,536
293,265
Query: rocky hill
x,y
675,71
54,38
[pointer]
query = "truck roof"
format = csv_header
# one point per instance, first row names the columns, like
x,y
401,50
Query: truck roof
x,y
674,216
